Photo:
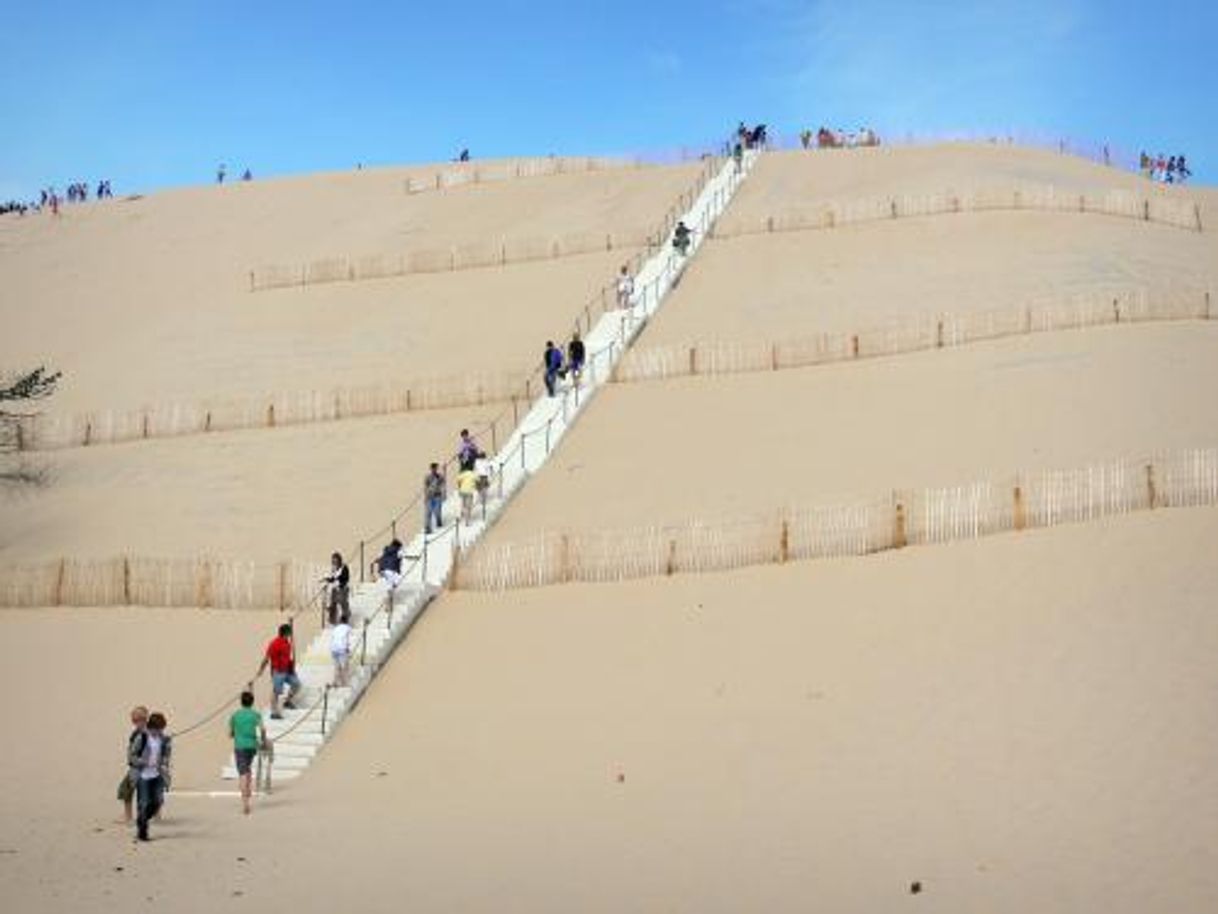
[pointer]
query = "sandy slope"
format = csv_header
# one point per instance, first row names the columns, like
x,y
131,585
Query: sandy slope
x,y
1015,723
1018,723
138,300
762,287
261,495
830,434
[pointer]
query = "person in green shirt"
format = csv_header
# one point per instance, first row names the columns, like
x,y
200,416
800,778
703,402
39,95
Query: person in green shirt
x,y
248,733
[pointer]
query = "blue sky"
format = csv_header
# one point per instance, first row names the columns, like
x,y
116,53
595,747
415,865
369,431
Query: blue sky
x,y
157,94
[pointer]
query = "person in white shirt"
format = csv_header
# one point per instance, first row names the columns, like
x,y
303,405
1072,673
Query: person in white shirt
x,y
340,649
483,469
625,288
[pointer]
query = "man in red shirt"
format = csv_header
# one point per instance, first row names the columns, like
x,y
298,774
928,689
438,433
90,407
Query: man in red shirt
x,y
280,657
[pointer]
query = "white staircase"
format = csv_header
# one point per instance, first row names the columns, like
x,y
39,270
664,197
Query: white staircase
x,y
377,628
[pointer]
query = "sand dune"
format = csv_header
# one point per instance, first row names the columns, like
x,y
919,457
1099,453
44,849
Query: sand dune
x,y
140,301
836,433
1008,722
1014,723
258,495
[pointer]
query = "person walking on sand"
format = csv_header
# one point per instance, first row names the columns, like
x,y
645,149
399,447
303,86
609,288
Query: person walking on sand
x,y
248,734
338,581
625,288
126,787
551,361
281,658
153,765
340,650
467,487
434,485
220,173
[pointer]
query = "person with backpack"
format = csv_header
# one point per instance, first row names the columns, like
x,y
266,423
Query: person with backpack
x,y
126,787
468,451
150,756
248,733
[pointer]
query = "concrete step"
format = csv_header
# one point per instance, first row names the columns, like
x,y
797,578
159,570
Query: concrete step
x,y
229,773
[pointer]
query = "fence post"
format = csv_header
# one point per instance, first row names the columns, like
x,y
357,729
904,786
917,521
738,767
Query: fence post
x,y
893,207
1146,210
671,565
1082,203
1020,510
693,359
1207,304
548,422
270,416
363,648
283,586
20,435
939,336
773,356
564,561
784,542
325,708
455,567
57,596
88,433
1197,215
899,539
362,566
126,581
1116,311
854,346
145,429
1151,492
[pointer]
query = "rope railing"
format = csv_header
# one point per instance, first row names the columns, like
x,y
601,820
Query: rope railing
x,y
234,697
901,518
915,333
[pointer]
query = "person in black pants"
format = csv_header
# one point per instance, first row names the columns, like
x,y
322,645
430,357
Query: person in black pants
x,y
339,580
576,355
151,755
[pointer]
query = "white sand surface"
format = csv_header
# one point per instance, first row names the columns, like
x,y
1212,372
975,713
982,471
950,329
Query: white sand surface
x,y
263,495
1016,723
733,445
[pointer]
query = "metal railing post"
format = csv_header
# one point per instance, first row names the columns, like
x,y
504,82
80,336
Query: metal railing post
x,y
362,565
325,708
